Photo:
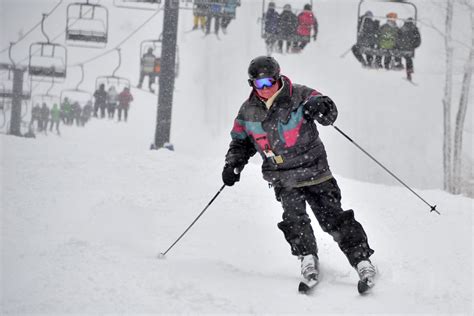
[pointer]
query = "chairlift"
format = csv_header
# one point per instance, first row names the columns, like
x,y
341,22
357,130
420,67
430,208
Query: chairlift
x,y
151,5
47,60
292,38
279,8
153,67
76,94
87,24
6,79
118,82
379,8
47,98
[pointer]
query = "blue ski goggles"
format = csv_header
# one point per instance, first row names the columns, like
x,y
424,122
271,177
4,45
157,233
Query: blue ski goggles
x,y
263,82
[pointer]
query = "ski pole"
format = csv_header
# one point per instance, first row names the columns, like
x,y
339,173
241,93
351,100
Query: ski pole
x,y
432,207
346,52
162,255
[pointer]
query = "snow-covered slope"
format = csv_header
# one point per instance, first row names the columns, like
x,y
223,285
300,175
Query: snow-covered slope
x,y
84,215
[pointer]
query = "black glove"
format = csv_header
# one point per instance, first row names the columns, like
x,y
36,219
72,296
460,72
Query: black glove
x,y
322,109
229,176
314,37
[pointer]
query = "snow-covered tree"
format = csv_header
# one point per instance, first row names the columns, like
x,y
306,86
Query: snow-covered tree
x,y
453,131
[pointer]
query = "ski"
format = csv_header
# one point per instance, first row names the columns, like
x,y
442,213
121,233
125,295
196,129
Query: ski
x,y
306,285
410,81
364,286
207,34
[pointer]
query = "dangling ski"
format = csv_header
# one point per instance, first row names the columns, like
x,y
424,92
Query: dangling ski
x,y
365,285
306,285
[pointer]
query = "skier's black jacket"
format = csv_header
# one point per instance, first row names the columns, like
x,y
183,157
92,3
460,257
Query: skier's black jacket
x,y
293,154
409,37
367,34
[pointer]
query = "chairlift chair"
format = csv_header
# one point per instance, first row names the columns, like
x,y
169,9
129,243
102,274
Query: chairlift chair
x,y
279,7
118,82
156,46
151,5
76,94
6,81
47,60
379,8
87,24
47,98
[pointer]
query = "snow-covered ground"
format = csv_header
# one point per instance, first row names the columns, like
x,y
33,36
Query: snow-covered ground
x,y
84,215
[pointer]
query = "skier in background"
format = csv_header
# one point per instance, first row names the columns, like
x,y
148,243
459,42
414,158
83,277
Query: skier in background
x,y
287,26
112,100
306,22
86,112
44,119
200,12
277,121
388,39
367,30
76,114
408,40
55,118
228,13
147,68
271,21
35,116
100,96
215,11
125,98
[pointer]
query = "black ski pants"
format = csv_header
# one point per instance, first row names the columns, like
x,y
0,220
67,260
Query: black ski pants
x,y
325,202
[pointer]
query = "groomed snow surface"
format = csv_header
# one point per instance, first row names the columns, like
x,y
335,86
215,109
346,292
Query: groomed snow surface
x,y
84,215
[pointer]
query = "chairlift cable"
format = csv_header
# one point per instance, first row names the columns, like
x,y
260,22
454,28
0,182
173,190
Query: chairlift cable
x,y
59,35
33,28
120,43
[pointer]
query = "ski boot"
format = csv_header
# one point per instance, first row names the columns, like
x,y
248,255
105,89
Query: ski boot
x,y
310,273
367,273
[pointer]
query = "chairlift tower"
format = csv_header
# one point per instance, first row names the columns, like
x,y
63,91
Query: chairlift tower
x,y
16,94
167,74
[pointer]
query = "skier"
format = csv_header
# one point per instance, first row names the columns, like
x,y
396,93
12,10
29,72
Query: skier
x,y
76,113
112,100
66,110
277,121
287,26
147,68
368,28
200,11
44,119
306,22
86,112
387,40
35,116
100,96
215,11
55,118
408,40
125,97
228,13
271,20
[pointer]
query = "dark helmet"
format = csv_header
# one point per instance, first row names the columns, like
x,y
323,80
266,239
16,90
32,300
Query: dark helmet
x,y
307,7
264,66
